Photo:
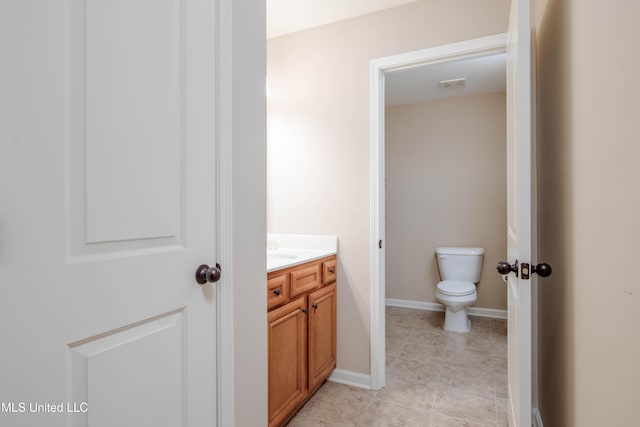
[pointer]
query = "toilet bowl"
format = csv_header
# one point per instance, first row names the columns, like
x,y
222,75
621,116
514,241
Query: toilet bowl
x,y
460,269
456,297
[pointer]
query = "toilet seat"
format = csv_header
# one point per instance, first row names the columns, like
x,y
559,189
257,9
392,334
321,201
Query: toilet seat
x,y
456,288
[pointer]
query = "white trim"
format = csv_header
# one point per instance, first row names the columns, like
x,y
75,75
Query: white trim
x,y
377,233
351,378
419,305
378,67
434,306
449,52
487,312
224,228
534,232
537,419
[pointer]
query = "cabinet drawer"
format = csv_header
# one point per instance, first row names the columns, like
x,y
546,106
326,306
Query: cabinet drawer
x,y
277,291
305,279
329,271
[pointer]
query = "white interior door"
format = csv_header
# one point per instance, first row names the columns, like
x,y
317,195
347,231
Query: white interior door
x,y
519,187
107,207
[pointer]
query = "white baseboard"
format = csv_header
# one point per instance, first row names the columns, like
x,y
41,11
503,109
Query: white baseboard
x,y
537,419
487,312
433,306
420,305
351,378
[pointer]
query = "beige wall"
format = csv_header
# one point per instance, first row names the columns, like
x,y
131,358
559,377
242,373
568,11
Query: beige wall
x,y
318,126
589,205
445,186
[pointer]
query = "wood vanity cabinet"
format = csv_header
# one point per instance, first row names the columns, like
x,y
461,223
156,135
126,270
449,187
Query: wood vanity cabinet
x,y
301,334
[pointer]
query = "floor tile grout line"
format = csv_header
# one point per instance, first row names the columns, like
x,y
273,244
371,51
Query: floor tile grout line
x,y
435,394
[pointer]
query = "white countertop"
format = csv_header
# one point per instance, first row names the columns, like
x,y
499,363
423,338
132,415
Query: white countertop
x,y
280,258
287,250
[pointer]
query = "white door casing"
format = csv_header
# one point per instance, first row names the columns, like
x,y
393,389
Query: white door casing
x,y
456,51
107,206
520,239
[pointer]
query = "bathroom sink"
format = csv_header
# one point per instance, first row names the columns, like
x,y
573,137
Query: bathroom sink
x,y
281,256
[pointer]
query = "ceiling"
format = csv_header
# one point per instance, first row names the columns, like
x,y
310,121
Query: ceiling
x,y
288,16
485,74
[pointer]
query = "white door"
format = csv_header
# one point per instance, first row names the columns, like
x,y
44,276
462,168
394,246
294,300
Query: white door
x,y
519,228
107,207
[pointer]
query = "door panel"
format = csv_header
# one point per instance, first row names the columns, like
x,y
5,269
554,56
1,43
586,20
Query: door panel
x,y
519,210
107,207
126,124
133,116
101,367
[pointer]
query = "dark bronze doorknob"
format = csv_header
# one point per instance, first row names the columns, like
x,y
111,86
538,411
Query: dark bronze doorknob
x,y
506,268
542,270
205,274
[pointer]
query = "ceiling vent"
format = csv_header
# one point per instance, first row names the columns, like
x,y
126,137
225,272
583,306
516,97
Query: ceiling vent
x,y
448,84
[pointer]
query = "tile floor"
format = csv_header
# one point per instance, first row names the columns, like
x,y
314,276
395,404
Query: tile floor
x,y
435,378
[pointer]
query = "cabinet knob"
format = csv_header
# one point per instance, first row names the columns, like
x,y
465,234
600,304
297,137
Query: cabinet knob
x,y
277,291
305,311
315,306
332,270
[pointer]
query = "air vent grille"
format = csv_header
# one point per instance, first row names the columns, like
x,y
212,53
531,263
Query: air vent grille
x,y
447,84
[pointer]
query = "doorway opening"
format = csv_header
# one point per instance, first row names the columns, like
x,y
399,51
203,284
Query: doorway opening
x,y
380,69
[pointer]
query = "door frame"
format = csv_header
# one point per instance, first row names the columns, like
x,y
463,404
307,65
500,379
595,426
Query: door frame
x,y
378,67
224,213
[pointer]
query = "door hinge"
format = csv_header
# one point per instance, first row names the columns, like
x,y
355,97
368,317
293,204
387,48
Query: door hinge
x,y
524,271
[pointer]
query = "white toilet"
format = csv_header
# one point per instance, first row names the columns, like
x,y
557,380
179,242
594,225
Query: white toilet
x,y
460,270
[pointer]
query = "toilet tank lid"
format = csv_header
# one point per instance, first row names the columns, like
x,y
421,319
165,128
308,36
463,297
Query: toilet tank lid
x,y
448,250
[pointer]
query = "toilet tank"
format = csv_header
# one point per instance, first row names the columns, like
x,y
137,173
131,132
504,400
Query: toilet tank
x,y
464,264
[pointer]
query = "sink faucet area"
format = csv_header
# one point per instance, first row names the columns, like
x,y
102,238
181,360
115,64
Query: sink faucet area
x,y
275,255
287,250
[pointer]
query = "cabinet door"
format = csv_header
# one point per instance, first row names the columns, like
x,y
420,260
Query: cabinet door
x,y
322,334
287,359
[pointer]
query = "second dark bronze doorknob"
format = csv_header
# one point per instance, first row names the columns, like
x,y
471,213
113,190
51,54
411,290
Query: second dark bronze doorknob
x,y
542,269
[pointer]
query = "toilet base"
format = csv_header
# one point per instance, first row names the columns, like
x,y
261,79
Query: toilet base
x,y
456,321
